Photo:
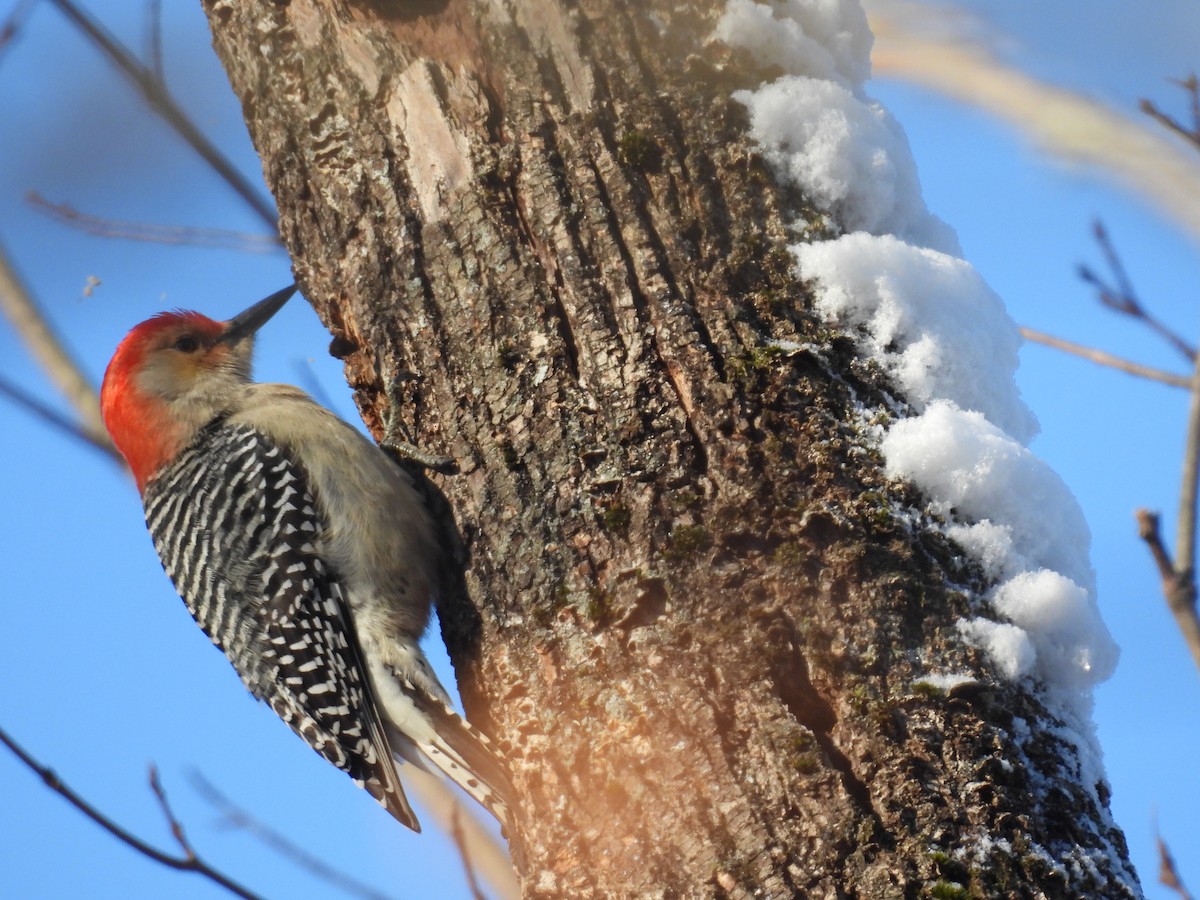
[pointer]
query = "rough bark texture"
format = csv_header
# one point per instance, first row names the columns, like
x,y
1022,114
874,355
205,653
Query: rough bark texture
x,y
693,617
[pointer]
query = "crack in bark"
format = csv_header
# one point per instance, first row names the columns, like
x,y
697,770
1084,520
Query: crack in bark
x,y
642,306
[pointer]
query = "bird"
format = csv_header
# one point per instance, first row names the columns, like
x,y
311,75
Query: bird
x,y
302,550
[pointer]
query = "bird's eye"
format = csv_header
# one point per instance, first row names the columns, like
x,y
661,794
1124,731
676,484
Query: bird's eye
x,y
187,343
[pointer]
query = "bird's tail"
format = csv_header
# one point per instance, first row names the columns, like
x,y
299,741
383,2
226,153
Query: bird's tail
x,y
462,753
424,729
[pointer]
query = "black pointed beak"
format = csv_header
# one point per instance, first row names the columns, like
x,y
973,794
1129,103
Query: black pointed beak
x,y
246,323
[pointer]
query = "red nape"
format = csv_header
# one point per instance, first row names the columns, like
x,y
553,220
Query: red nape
x,y
140,425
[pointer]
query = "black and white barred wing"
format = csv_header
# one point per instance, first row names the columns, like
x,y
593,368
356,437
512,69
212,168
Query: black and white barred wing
x,y
235,526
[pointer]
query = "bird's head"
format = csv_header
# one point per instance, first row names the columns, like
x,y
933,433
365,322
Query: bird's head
x,y
174,373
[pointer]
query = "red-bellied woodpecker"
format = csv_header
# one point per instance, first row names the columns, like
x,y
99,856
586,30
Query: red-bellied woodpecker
x,y
305,553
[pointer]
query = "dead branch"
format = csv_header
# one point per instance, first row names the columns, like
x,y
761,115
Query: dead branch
x,y
190,862
464,854
1185,535
1178,577
156,94
488,856
1189,133
236,817
169,814
306,377
1178,585
54,418
30,324
1120,296
1168,872
1102,358
12,25
218,238
479,851
154,39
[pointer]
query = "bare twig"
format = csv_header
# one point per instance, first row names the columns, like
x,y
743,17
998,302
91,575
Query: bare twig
x,y
1168,872
1148,531
154,39
1124,300
169,814
1178,577
488,856
189,863
1121,298
236,817
1178,585
460,841
156,94
1192,86
53,417
218,238
12,25
306,375
27,319
1185,535
1106,359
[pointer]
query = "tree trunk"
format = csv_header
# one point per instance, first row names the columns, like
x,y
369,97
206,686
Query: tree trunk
x,y
691,617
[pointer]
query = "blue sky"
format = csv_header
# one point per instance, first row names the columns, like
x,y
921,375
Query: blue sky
x,y
104,670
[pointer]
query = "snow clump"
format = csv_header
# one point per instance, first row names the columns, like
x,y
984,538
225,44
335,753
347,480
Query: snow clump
x,y
829,40
895,281
920,309
817,128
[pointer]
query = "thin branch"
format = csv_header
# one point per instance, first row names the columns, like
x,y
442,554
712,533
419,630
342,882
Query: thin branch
x,y
1168,872
1178,586
1125,300
218,238
1185,535
190,863
169,814
12,25
30,324
460,841
1102,358
54,418
1179,577
488,856
1191,86
1149,531
160,100
154,40
306,375
236,817
1122,299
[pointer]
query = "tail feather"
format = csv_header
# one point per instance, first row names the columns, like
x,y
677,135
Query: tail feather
x,y
460,751
424,729
384,785
391,797
383,782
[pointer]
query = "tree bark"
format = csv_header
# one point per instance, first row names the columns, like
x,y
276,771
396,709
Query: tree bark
x,y
693,617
